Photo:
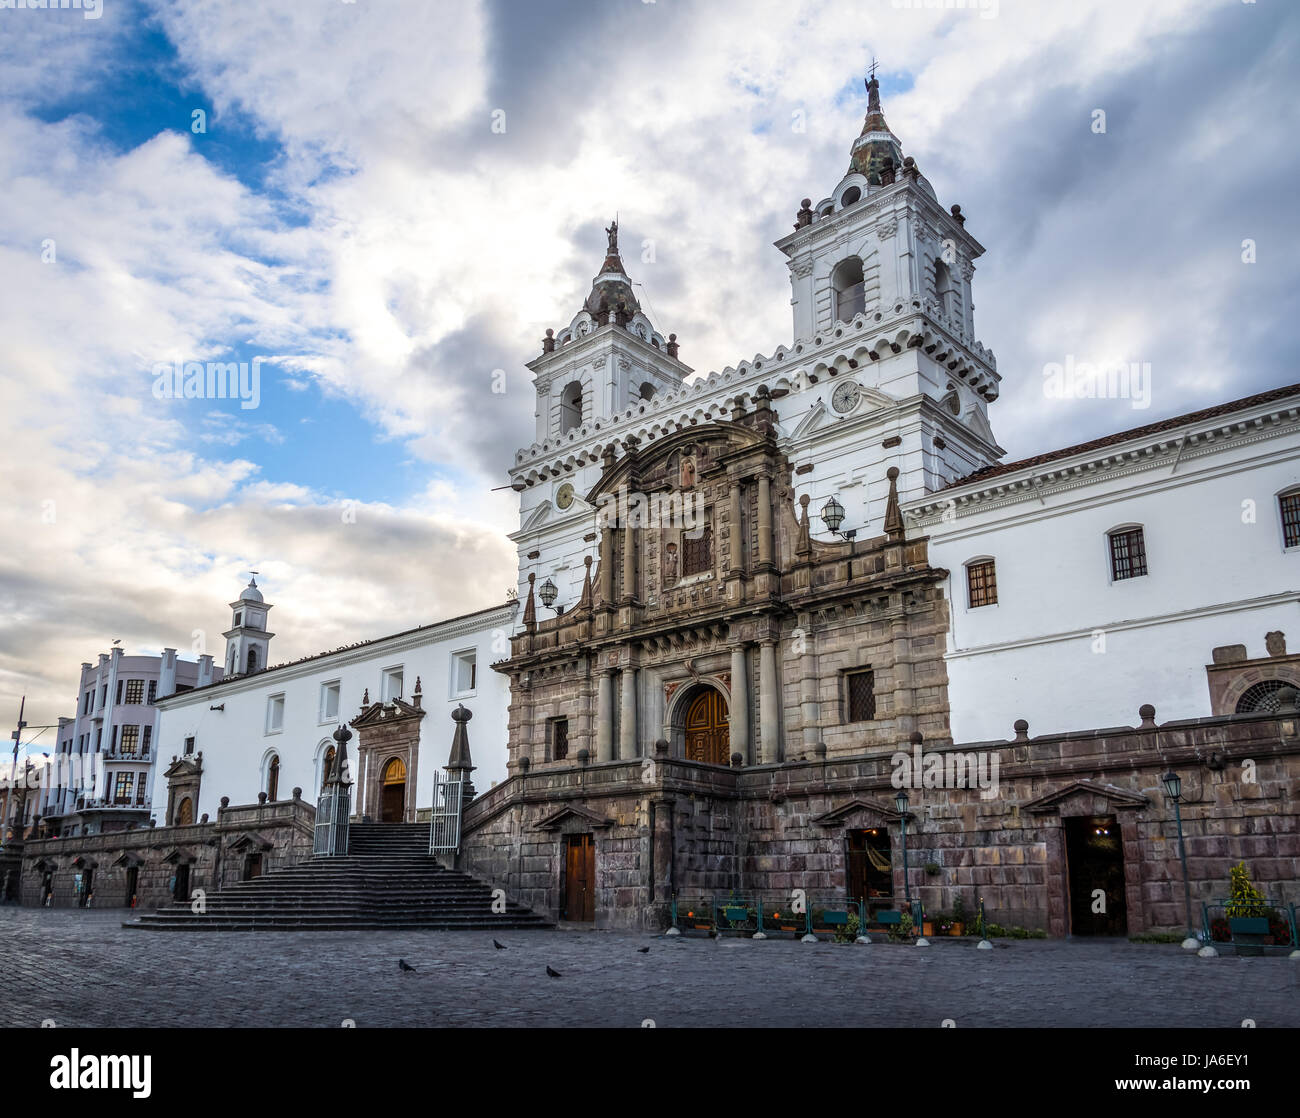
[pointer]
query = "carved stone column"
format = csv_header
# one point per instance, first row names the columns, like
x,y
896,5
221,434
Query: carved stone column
x,y
605,715
736,540
738,714
627,717
764,519
769,706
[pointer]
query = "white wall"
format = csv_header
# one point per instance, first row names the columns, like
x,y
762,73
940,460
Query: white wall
x,y
235,742
1214,578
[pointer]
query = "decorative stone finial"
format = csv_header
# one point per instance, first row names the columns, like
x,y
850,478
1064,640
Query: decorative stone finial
x,y
1147,713
1021,728
893,516
530,607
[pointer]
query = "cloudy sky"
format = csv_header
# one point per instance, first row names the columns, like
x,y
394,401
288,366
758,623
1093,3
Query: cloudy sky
x,y
386,200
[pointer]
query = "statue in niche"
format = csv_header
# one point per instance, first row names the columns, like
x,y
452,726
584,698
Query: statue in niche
x,y
687,476
670,564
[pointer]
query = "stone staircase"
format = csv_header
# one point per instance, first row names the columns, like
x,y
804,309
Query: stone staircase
x,y
387,880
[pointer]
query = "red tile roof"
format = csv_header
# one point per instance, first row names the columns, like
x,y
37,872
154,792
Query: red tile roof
x,y
1171,424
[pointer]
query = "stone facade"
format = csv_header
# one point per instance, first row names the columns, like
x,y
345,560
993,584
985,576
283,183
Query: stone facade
x,y
664,826
159,864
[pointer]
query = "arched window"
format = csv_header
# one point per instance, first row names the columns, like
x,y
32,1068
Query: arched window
x,y
848,289
570,406
252,661
1262,698
943,286
981,582
326,765
852,195
1128,552
231,670
273,777
647,390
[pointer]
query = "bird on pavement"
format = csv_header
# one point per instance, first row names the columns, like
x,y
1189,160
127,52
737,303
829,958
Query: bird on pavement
x,y
643,950
553,973
402,964
498,946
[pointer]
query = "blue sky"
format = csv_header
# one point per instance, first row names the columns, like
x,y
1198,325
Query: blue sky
x,y
352,216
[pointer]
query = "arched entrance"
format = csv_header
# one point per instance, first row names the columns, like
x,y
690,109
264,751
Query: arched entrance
x,y
392,794
706,730
185,812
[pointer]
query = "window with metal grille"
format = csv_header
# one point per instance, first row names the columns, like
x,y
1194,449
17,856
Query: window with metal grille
x,y
135,691
1290,506
697,554
130,740
153,692
559,732
122,788
860,689
1128,554
145,738
1262,698
982,584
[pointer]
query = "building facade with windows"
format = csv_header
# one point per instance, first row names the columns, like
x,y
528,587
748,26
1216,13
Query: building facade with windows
x,y
104,768
267,733
1159,564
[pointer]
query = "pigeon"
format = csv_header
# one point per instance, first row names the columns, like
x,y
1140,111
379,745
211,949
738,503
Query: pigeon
x,y
553,973
498,946
643,950
404,965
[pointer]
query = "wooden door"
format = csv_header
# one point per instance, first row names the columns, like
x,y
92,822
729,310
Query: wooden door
x,y
580,878
392,794
708,732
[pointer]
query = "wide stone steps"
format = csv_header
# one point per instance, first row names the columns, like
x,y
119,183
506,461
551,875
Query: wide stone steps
x,y
387,880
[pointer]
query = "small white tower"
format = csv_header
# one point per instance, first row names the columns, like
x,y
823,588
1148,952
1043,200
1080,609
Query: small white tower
x,y
247,639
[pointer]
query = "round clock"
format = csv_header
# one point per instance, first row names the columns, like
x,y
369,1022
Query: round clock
x,y
845,397
564,496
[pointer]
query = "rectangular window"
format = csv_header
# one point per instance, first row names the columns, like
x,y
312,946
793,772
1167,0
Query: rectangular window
x,y
697,553
139,790
90,698
860,695
153,691
103,697
329,701
134,692
239,619
130,740
1290,505
113,740
119,692
144,741
274,714
122,788
1128,554
189,745
392,688
464,672
982,584
557,731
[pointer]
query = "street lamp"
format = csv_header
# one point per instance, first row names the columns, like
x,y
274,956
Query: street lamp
x,y
1174,790
900,802
548,592
833,516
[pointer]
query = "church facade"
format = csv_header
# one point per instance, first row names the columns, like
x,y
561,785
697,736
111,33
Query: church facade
x,y
764,586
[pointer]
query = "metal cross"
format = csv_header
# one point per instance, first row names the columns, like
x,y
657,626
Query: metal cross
x,y
871,70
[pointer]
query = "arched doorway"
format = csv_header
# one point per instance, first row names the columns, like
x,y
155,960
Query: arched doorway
x,y
185,812
273,778
706,730
392,793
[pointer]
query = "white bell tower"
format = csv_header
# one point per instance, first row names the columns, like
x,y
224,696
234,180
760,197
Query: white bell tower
x,y
881,250
247,639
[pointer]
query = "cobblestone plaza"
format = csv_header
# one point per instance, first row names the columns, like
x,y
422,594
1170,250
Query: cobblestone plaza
x,y
82,969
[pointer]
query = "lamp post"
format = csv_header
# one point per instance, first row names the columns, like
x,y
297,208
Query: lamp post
x,y
832,515
900,802
1174,790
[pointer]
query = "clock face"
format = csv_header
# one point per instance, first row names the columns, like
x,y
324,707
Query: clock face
x,y
564,496
846,396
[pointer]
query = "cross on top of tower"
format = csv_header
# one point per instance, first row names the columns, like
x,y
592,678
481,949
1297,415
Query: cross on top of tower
x,y
871,70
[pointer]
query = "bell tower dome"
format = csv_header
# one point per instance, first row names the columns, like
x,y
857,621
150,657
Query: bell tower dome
x,y
247,640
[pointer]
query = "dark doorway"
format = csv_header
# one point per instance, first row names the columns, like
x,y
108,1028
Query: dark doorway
x,y
708,732
392,793
870,865
580,878
132,884
87,887
47,888
1094,855
181,887
252,866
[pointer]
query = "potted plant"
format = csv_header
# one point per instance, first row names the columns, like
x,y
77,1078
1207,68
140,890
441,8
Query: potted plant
x,y
958,918
1247,912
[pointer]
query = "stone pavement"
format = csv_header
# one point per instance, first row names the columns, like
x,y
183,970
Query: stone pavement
x,y
80,969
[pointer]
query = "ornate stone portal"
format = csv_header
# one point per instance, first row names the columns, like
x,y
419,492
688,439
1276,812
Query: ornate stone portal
x,y
388,755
